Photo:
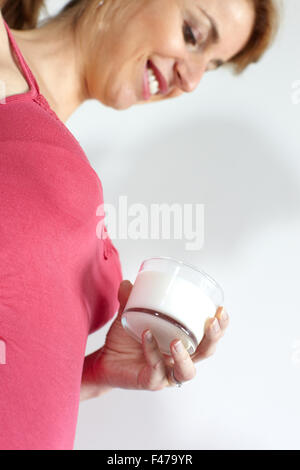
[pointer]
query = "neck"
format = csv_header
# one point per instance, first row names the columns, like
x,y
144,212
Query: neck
x,y
56,62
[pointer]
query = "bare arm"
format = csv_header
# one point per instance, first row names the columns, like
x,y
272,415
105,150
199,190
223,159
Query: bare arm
x,y
90,387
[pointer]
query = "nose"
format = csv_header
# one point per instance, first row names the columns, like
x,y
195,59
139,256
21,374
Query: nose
x,y
188,75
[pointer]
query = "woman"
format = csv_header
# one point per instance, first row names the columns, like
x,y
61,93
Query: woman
x,y
59,282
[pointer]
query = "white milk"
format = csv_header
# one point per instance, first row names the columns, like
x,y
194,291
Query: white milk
x,y
174,296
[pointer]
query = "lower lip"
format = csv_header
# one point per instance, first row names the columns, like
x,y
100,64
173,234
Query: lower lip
x,y
146,88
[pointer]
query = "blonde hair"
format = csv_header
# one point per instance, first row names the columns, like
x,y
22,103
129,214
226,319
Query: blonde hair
x,y
23,14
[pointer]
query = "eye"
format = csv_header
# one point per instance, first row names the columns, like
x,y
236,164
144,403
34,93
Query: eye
x,y
188,34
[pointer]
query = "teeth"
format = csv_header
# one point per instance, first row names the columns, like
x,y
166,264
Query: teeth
x,y
153,83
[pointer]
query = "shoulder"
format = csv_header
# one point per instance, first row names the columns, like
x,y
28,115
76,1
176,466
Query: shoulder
x,y
3,36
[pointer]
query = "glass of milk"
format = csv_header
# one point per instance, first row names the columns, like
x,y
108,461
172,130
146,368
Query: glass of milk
x,y
173,300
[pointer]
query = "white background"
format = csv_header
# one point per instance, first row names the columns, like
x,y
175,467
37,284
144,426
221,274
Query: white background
x,y
233,145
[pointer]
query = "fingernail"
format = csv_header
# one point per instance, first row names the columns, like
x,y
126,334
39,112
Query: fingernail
x,y
215,326
224,314
179,346
149,336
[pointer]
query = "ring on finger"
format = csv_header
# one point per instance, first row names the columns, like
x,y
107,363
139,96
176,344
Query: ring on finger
x,y
176,382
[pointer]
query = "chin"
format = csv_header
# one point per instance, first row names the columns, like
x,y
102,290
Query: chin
x,y
123,99
119,106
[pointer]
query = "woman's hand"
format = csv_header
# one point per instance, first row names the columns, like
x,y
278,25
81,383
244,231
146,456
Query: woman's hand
x,y
124,363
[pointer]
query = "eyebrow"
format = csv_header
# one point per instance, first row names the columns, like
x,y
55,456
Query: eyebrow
x,y
214,27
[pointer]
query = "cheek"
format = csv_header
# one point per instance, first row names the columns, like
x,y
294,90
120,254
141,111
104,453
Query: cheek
x,y
169,42
153,31
120,87
158,29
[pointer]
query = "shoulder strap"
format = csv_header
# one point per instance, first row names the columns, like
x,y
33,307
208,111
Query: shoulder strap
x,y
24,67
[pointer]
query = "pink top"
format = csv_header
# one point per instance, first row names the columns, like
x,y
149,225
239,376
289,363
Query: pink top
x,y
59,279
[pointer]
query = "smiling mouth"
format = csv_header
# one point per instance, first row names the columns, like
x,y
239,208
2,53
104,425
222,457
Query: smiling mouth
x,y
152,82
155,84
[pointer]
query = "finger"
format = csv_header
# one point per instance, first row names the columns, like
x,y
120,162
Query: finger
x,y
123,293
213,333
154,377
184,367
208,344
169,361
223,318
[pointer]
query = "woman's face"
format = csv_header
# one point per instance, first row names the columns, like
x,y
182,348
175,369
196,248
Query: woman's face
x,y
178,40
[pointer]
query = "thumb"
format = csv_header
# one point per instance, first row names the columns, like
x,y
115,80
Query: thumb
x,y
123,294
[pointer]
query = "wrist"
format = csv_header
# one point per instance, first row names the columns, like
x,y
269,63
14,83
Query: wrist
x,y
93,382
